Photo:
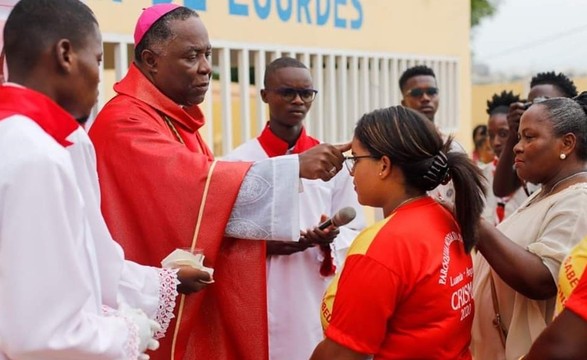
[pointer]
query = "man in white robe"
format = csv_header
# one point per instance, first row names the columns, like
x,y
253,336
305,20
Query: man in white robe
x,y
295,284
65,290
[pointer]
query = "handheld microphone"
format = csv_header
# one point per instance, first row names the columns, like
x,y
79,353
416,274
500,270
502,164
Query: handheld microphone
x,y
342,217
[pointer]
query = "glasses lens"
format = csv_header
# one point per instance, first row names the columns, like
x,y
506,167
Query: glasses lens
x,y
416,92
431,91
307,95
288,94
349,162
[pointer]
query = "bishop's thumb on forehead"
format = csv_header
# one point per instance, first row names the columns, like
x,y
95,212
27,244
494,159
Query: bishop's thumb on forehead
x,y
343,147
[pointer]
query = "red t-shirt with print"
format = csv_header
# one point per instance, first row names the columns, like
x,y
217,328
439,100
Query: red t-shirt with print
x,y
406,288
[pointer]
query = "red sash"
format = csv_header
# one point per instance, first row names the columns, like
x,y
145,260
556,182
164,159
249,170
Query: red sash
x,y
54,120
275,146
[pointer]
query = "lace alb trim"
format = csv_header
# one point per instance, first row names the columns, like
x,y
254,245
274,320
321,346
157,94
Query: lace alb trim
x,y
131,345
167,295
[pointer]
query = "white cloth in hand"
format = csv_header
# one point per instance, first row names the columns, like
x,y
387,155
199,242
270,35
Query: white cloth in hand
x,y
146,329
181,257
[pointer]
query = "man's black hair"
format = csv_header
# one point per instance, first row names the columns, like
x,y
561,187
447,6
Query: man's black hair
x,y
414,71
160,30
34,25
280,63
560,80
500,103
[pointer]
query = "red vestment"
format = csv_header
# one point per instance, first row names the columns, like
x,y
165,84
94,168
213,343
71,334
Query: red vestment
x,y
152,188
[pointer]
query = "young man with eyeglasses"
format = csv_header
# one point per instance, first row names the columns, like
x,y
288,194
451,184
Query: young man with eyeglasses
x,y
298,273
419,90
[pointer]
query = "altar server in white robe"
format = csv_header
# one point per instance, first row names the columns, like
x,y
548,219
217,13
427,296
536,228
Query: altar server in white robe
x,y
298,273
66,291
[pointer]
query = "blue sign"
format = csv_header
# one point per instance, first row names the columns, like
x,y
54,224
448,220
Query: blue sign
x,y
198,5
327,12
320,13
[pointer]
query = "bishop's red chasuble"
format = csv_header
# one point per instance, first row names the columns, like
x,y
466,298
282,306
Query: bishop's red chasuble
x,y
154,176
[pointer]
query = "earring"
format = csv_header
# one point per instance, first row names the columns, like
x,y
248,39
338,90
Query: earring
x,y
563,156
380,173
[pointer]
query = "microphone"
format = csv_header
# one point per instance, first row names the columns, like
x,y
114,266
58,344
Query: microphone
x,y
342,217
